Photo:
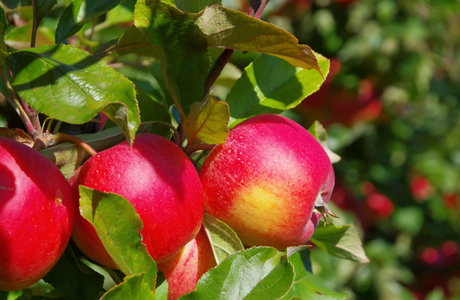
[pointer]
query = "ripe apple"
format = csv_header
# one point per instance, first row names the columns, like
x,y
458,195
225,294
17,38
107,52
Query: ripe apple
x,y
265,180
36,215
185,268
159,180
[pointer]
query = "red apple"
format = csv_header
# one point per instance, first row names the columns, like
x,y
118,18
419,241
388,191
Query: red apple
x,y
185,268
36,215
159,180
264,181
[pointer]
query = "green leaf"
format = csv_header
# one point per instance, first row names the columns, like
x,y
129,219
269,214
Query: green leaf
x,y
181,47
195,6
319,132
222,238
118,226
43,8
152,111
59,79
207,122
73,279
3,49
340,241
132,287
77,13
294,249
253,274
161,290
3,20
123,13
307,286
271,85
132,41
19,37
226,28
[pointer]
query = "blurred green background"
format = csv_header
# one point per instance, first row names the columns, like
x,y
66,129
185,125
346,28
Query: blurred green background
x,y
391,106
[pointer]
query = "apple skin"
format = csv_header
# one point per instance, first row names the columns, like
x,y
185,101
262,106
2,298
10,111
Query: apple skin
x,y
162,184
264,180
37,212
185,268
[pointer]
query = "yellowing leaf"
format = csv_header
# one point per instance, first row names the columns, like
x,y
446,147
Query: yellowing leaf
x,y
207,122
226,28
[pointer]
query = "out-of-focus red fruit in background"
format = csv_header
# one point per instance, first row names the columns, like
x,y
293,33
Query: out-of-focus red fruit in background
x,y
367,188
420,187
380,206
450,200
338,104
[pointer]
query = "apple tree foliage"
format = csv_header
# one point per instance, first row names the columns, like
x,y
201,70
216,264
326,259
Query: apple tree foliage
x,y
161,67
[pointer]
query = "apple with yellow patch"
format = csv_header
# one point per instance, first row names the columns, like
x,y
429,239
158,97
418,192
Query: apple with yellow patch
x,y
265,181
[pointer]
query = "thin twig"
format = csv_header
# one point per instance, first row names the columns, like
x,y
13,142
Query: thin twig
x,y
18,107
194,148
62,138
35,24
216,70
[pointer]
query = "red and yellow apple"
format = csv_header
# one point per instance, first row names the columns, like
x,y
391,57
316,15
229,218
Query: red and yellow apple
x,y
265,179
36,215
185,268
162,184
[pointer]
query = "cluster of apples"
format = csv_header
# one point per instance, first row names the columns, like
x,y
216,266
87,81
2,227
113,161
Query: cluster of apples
x,y
264,182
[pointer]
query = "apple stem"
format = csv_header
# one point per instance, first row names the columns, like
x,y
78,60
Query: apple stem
x,y
197,147
62,138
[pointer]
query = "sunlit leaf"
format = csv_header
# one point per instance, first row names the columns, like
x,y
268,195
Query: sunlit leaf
x,y
207,122
226,28
253,274
307,286
19,37
341,241
77,13
59,79
118,226
132,287
181,47
195,6
222,238
271,85
132,41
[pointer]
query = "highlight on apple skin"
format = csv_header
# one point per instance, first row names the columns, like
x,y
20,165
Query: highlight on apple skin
x,y
162,184
37,212
185,268
265,179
